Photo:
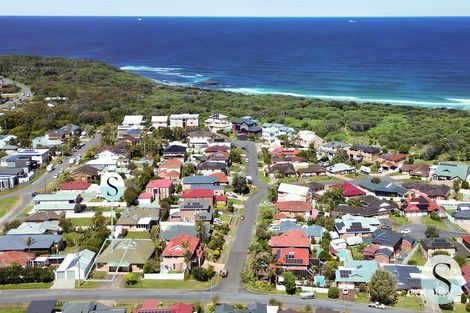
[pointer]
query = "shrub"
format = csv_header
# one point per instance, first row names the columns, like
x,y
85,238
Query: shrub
x,y
202,274
467,307
448,306
333,293
463,298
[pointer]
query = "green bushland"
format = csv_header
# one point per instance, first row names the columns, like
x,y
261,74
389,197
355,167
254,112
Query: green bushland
x,y
99,93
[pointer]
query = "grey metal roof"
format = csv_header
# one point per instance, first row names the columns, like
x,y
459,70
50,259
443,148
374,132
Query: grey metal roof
x,y
404,274
18,242
41,306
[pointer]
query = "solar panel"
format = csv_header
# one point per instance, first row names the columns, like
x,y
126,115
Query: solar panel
x,y
344,273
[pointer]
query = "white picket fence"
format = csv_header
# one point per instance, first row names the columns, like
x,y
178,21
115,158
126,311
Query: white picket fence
x,y
167,276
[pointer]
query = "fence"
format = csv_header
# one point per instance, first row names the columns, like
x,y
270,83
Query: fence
x,y
167,276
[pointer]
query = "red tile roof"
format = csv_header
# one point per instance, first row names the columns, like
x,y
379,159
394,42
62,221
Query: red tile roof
x,y
370,250
301,254
172,163
217,148
280,216
221,198
466,239
198,193
349,190
293,238
175,247
294,206
159,183
18,257
466,272
181,308
74,185
421,203
168,174
394,157
282,151
145,195
221,177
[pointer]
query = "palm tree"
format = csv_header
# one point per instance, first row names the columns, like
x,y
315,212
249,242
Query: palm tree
x,y
187,255
29,241
159,246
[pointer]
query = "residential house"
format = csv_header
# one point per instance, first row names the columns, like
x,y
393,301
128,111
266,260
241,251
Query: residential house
x,y
170,169
131,124
340,169
160,188
297,161
85,173
433,191
386,239
63,201
408,277
6,140
431,245
283,170
193,210
222,179
329,149
391,161
247,126
198,180
420,170
30,228
171,230
90,307
450,171
40,156
11,177
312,170
314,232
353,273
290,192
383,189
272,131
198,194
173,255
184,120
76,265
74,186
349,190
159,121
295,238
419,204
125,255
31,243
210,167
252,308
217,122
370,207
175,151
139,219
200,139
293,209
349,225
306,137
44,216
21,258
296,260
42,306
363,153
216,148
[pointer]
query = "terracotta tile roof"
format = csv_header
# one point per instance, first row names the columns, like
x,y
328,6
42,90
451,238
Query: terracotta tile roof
x,y
221,198
74,185
159,183
280,216
19,257
172,163
294,206
421,203
349,190
181,308
286,256
221,177
169,174
282,151
293,238
218,148
175,247
198,193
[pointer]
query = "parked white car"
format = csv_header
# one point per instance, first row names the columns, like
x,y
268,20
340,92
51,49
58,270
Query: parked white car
x,y
406,231
232,195
377,305
307,295
217,221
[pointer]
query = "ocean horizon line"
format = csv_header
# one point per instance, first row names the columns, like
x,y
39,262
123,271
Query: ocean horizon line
x,y
251,16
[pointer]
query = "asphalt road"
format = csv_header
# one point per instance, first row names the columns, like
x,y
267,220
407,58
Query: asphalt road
x,y
418,232
22,296
238,254
40,184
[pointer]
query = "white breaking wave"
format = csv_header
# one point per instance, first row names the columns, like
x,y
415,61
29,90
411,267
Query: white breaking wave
x,y
143,68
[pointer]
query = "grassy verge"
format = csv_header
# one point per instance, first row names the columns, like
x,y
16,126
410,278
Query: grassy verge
x,y
38,175
401,220
458,308
7,204
362,297
418,258
410,303
439,224
265,179
26,286
170,284
13,309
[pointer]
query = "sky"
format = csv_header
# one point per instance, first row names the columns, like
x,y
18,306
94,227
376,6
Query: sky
x,y
351,8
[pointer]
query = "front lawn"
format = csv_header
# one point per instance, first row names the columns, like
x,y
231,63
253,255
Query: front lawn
x,y
400,220
26,286
418,259
7,204
439,224
12,308
138,235
410,303
356,254
170,284
82,221
458,308
362,297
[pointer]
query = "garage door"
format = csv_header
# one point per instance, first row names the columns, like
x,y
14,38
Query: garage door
x,y
70,274
60,275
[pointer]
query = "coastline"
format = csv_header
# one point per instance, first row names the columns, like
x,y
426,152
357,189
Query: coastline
x,y
196,80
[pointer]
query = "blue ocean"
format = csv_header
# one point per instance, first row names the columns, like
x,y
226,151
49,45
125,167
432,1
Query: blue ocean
x,y
404,61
